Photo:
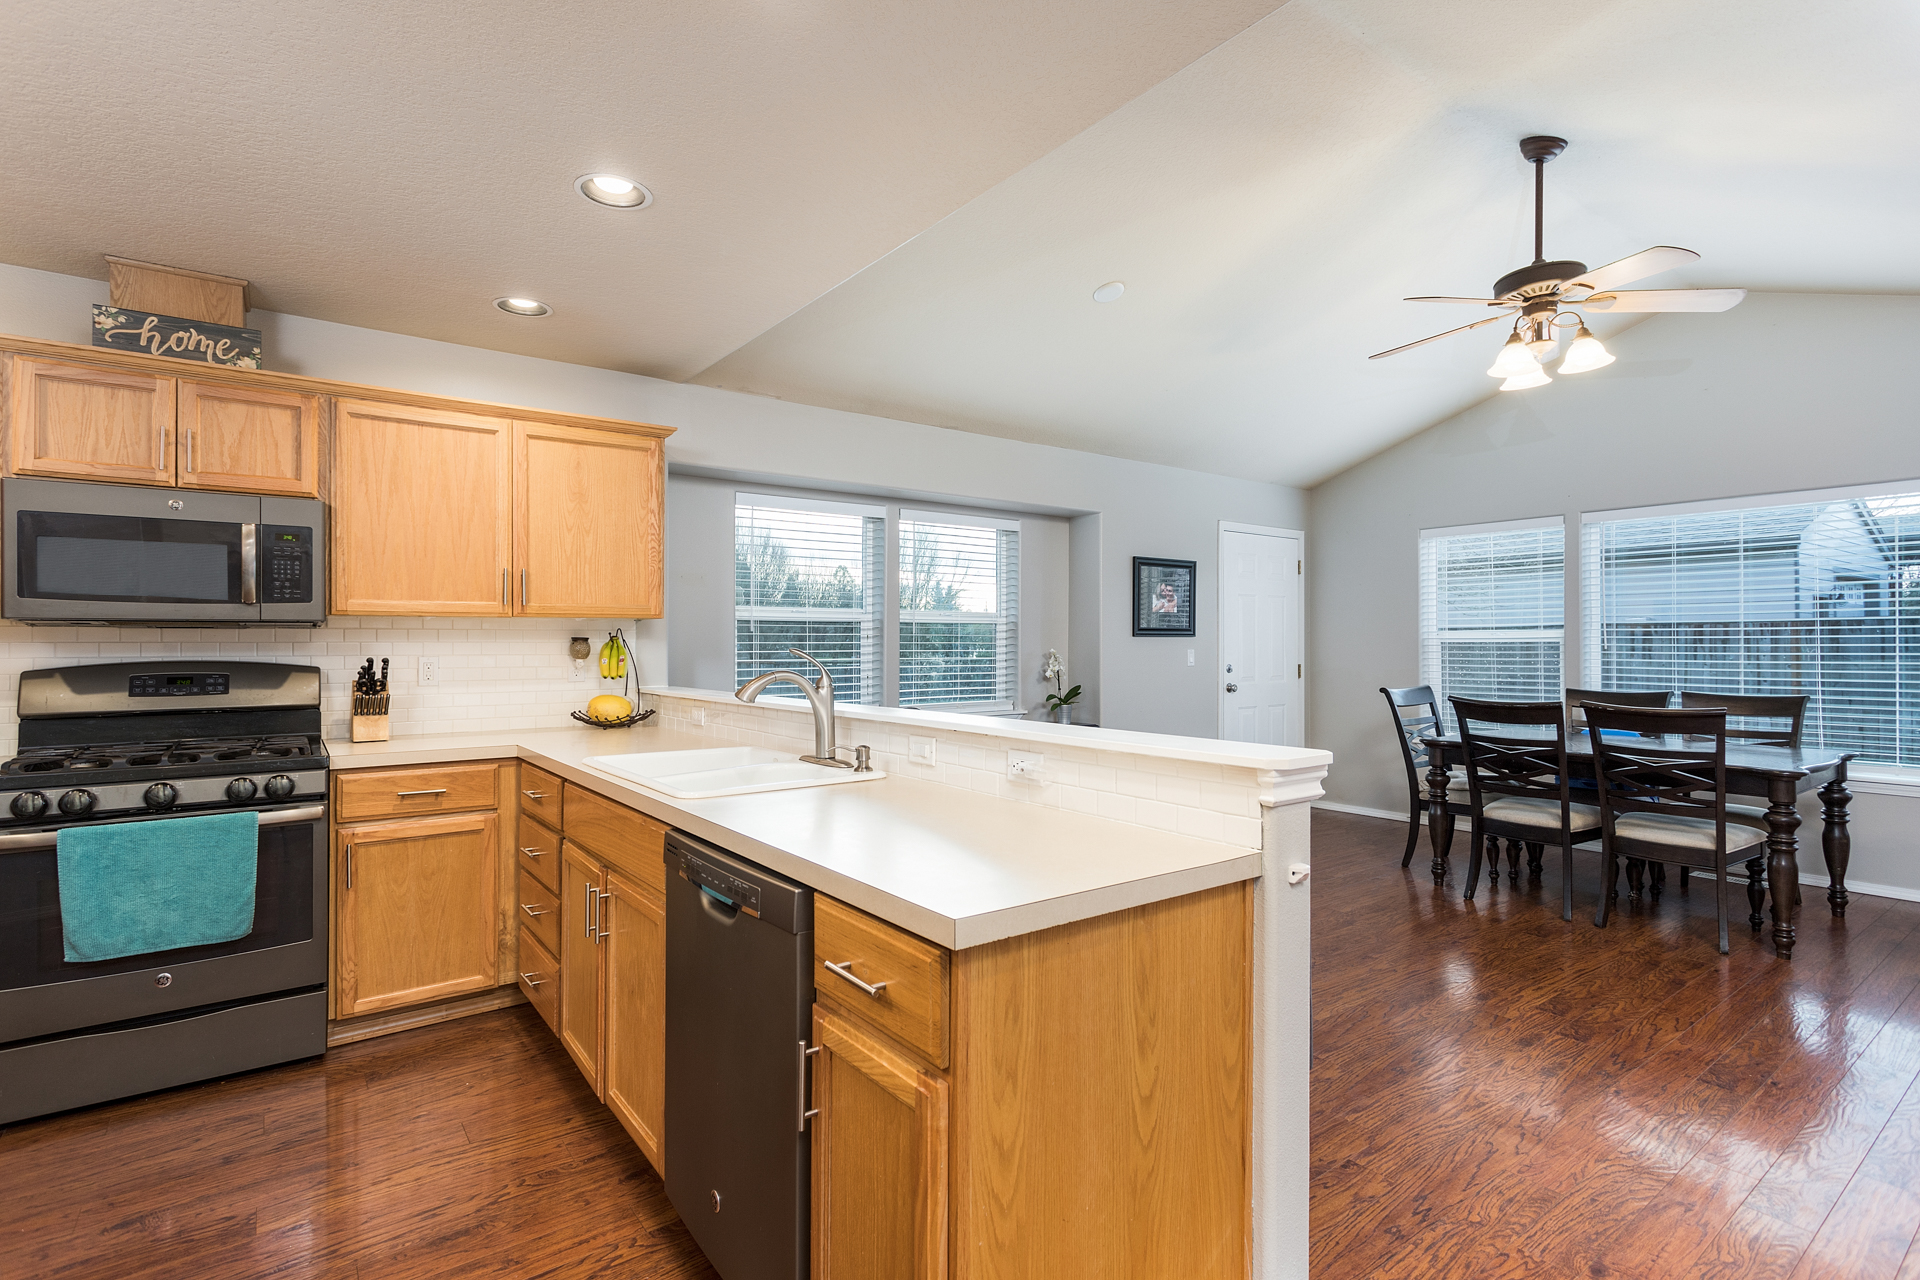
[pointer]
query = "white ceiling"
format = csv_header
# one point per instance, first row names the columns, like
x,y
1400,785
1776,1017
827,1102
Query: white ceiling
x,y
966,177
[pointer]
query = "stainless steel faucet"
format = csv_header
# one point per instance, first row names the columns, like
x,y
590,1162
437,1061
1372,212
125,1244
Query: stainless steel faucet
x,y
819,696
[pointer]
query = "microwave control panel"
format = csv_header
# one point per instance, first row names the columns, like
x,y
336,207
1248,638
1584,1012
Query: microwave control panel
x,y
286,564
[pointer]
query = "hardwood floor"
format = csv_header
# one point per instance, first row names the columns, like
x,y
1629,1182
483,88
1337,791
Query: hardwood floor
x,y
1498,1093
468,1148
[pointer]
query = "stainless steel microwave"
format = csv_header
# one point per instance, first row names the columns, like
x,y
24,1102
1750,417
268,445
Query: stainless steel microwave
x,y
121,555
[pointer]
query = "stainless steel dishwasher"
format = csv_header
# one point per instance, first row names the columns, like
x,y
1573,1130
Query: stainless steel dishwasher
x,y
739,1000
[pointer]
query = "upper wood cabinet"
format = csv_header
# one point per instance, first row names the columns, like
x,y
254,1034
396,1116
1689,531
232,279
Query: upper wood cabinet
x,y
422,511
84,422
253,440
587,530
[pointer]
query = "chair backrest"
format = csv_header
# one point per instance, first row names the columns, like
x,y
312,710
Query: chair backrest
x,y
1658,773
1411,722
1791,707
1613,698
1501,762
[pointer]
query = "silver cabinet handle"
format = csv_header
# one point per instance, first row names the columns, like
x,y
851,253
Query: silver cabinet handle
x,y
529,979
349,852
532,852
845,972
806,1113
534,795
528,908
597,922
249,563
523,588
503,588
189,450
436,791
589,910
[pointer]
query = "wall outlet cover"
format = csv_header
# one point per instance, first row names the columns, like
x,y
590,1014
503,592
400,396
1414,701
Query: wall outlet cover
x,y
1024,768
429,670
1189,657
920,751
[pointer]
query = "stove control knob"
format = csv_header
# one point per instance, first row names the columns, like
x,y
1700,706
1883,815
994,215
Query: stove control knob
x,y
241,789
279,787
29,804
161,795
77,802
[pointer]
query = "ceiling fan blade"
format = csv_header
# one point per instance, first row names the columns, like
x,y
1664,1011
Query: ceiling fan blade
x,y
1638,266
1484,302
1448,334
1663,300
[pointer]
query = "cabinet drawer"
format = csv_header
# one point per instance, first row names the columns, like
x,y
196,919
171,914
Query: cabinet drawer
x,y
537,908
539,852
540,978
912,1007
625,839
540,795
406,793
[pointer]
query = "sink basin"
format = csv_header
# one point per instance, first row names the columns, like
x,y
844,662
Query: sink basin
x,y
722,771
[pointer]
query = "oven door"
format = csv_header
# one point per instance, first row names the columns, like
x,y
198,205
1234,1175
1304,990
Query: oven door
x,y
43,994
119,553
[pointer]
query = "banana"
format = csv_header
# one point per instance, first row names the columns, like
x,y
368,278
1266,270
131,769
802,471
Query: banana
x,y
606,660
620,663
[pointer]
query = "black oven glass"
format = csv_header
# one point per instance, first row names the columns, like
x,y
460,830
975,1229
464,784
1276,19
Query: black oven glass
x,y
30,941
64,556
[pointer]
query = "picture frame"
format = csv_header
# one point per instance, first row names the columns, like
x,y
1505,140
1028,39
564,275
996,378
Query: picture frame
x,y
1163,596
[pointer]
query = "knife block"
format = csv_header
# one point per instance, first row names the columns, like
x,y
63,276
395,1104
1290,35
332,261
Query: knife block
x,y
368,722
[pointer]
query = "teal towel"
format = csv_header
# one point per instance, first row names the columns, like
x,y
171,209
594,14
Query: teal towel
x,y
130,888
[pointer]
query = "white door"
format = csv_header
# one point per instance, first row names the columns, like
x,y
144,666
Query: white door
x,y
1262,683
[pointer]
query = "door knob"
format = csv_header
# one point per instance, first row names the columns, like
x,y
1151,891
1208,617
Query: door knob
x,y
1233,688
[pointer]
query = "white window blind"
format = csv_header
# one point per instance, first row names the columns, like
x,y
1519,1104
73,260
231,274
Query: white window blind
x,y
959,607
1818,597
1492,612
809,575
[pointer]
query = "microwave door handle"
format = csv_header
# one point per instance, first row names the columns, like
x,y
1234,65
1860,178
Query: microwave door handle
x,y
249,563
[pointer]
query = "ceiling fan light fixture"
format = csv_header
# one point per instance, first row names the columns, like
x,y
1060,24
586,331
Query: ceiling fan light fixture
x,y
1523,381
1515,360
1585,352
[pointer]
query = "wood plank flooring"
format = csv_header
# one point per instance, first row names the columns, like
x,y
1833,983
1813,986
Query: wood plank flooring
x,y
1499,1093
467,1148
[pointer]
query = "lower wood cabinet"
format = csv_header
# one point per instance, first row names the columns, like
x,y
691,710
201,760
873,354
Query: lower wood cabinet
x,y
634,1068
879,1159
583,881
417,911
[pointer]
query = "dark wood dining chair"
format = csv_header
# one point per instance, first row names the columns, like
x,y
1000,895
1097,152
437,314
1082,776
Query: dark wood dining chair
x,y
1665,800
1789,710
1613,698
1518,785
1416,712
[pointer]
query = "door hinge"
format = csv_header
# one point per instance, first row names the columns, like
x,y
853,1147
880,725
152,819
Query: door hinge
x,y
1297,568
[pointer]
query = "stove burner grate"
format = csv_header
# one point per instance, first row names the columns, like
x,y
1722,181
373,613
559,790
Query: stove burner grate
x,y
156,755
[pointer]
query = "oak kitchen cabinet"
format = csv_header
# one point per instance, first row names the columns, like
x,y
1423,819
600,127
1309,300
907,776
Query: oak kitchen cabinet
x,y
588,526
78,421
416,900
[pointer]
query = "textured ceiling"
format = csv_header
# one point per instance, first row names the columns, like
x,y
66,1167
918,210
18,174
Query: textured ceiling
x,y
400,165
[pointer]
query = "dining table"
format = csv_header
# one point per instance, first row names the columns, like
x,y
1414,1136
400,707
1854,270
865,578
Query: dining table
x,y
1779,774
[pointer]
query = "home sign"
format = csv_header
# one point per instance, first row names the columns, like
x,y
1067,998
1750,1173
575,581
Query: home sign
x,y
153,335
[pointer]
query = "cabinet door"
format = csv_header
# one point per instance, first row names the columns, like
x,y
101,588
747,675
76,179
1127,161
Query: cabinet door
x,y
254,441
422,511
879,1160
636,1075
589,518
582,882
86,423
417,911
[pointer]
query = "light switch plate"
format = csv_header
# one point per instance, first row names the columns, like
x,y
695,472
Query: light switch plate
x,y
1189,657
429,670
920,751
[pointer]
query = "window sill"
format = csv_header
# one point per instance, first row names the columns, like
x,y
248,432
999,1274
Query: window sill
x,y
1883,780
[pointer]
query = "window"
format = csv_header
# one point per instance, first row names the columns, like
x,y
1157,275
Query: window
x,y
1491,611
959,601
808,575
1820,596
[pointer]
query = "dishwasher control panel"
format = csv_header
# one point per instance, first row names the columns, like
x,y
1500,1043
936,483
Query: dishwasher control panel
x,y
720,884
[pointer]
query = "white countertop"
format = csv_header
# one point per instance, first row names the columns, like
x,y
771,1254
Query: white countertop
x,y
956,867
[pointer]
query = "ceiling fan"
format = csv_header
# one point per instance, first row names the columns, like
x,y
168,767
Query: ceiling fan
x,y
1544,296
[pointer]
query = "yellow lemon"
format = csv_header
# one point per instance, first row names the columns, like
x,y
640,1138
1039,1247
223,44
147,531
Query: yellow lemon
x,y
609,706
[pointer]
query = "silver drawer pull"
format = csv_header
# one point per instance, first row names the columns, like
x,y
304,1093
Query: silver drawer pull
x,y
845,971
530,980
528,908
534,795
531,852
436,791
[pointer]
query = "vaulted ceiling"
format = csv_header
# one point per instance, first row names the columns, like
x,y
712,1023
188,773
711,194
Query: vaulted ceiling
x,y
904,209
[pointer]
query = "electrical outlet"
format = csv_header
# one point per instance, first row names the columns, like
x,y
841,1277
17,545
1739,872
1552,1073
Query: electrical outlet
x,y
699,715
1026,768
579,671
920,751
429,670
1189,657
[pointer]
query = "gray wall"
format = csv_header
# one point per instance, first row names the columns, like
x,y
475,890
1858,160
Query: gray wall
x,y
1785,392
1145,509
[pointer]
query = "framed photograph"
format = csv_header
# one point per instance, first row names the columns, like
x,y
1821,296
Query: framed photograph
x,y
1162,597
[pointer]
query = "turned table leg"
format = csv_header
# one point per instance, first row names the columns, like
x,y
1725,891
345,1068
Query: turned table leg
x,y
1783,863
1835,843
1438,825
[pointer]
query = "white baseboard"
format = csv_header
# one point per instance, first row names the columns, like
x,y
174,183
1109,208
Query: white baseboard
x,y
1814,877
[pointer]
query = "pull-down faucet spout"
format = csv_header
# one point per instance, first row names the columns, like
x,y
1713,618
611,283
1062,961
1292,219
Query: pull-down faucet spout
x,y
819,697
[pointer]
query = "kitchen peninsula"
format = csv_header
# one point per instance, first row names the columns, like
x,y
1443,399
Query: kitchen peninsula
x,y
1096,1010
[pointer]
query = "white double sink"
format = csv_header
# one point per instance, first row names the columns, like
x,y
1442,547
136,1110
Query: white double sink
x,y
722,771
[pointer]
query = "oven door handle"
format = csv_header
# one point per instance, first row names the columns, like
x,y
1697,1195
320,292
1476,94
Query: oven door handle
x,y
249,563
22,841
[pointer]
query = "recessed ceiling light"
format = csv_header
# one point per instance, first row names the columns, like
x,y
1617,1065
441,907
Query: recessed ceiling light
x,y
1109,291
522,306
613,191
